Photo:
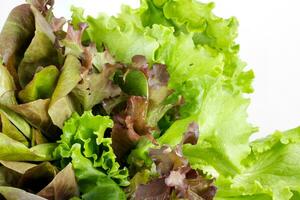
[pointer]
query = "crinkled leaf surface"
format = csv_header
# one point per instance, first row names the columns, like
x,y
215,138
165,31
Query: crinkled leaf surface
x,y
125,34
201,57
199,52
224,132
273,166
93,184
88,131
83,141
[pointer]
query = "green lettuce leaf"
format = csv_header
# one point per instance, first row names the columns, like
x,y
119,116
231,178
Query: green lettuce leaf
x,y
11,131
13,150
246,197
62,105
272,167
205,28
83,143
42,85
194,20
93,183
199,51
17,120
204,69
7,97
188,61
88,131
224,132
189,66
118,34
173,135
296,196
7,86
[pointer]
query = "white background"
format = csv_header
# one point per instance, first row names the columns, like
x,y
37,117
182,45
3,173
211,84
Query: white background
x,y
269,35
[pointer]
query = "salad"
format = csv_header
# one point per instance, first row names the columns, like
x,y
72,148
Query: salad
x,y
147,105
